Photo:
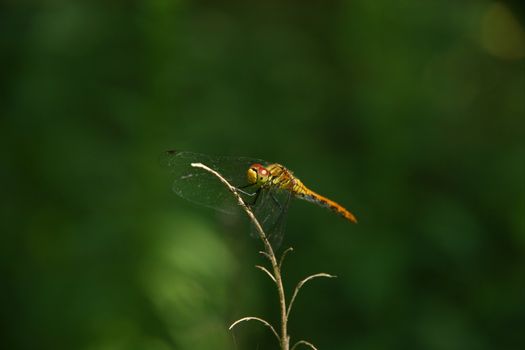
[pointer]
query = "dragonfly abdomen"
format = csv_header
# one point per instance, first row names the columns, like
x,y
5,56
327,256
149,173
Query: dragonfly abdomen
x,y
285,180
304,193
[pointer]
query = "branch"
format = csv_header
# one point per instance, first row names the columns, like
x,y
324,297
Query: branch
x,y
241,202
284,339
250,318
284,256
266,255
304,342
264,269
300,284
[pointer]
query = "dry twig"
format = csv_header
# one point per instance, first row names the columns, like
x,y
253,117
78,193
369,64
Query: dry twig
x,y
303,342
283,337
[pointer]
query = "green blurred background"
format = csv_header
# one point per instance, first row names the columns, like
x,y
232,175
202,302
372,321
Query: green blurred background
x,y
410,113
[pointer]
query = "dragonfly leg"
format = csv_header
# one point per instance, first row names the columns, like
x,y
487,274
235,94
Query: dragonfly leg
x,y
240,189
256,194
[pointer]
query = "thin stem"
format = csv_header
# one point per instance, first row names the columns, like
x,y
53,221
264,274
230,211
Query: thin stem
x,y
304,342
251,318
283,338
290,249
265,255
265,270
300,284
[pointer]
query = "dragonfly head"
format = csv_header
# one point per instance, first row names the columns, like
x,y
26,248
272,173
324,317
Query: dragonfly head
x,y
257,174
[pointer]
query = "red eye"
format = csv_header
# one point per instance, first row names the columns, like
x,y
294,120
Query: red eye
x,y
260,172
257,167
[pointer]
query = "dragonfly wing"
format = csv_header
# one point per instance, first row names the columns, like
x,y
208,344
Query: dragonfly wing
x,y
199,186
271,210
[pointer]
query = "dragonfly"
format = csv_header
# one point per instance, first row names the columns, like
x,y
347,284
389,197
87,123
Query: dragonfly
x,y
267,188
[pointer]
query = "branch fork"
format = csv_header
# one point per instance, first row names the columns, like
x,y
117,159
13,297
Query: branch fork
x,y
275,274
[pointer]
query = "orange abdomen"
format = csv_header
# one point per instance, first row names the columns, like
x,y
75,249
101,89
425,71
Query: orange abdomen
x,y
301,191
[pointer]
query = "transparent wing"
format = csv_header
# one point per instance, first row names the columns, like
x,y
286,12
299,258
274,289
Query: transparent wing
x,y
201,187
271,210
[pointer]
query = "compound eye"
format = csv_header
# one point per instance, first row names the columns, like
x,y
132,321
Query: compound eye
x,y
252,175
263,172
258,174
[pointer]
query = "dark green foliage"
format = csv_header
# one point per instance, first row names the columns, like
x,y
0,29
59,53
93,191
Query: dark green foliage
x,y
409,113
